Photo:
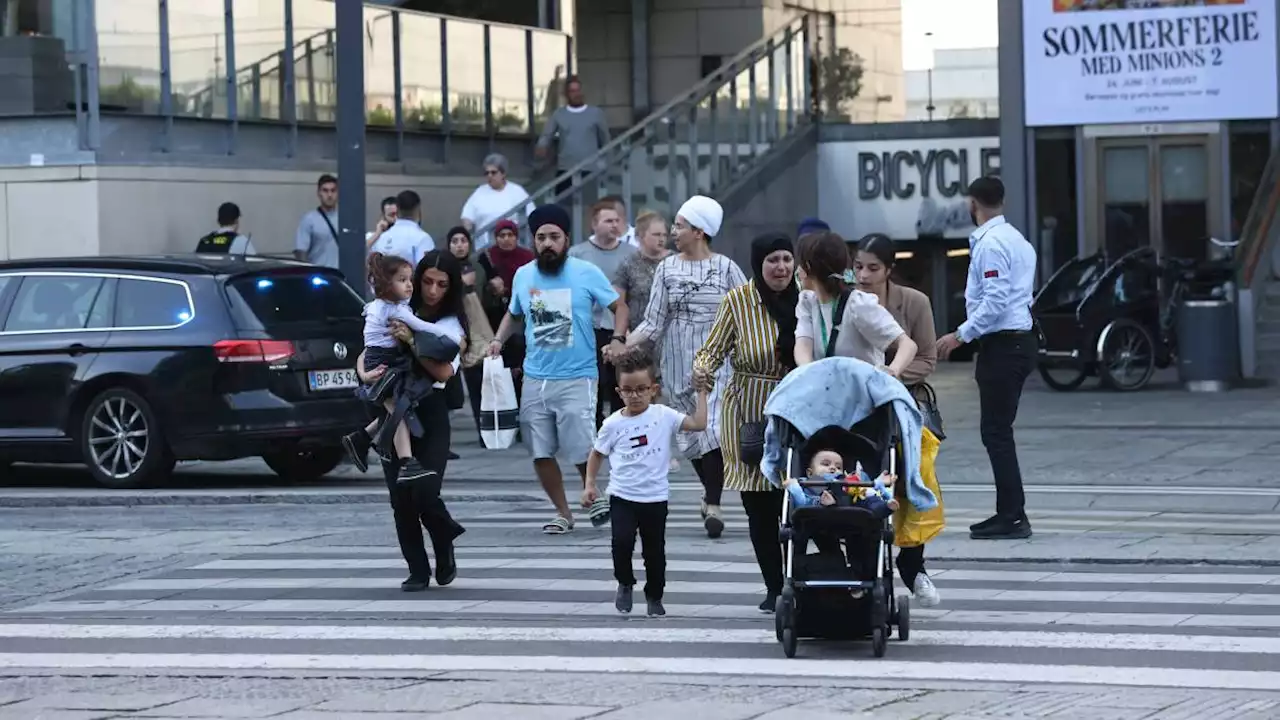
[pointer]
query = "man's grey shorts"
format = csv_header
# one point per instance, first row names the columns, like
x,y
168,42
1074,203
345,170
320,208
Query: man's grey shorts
x,y
559,416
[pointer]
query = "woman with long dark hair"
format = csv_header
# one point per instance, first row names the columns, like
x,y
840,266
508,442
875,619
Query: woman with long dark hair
x,y
437,297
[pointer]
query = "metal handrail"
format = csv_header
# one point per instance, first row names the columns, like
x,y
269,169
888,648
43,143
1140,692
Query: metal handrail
x,y
1255,238
695,94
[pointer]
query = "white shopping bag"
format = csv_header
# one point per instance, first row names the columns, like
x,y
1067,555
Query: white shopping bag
x,y
499,412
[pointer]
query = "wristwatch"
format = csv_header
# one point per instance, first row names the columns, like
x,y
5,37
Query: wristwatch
x,y
619,338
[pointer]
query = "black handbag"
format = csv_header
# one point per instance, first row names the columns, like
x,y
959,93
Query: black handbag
x,y
751,442
927,401
381,389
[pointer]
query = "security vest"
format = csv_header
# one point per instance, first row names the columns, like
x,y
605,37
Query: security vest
x,y
217,243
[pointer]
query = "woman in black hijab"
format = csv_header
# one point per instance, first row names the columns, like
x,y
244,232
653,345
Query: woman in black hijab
x,y
773,269
755,328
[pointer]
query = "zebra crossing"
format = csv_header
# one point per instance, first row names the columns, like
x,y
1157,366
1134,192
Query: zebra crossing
x,y
545,604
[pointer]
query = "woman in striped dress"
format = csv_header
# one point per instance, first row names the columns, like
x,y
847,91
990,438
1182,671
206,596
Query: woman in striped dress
x,y
755,329
687,289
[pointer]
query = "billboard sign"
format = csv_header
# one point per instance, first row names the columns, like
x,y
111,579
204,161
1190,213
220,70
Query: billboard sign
x,y
1147,61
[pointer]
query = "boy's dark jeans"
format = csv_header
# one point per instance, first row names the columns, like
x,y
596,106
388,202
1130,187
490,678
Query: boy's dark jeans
x,y
650,521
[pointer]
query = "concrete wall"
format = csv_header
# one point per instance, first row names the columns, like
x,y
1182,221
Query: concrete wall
x,y
681,32
773,197
96,210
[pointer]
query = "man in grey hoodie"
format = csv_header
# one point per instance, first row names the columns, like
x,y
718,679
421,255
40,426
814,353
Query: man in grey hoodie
x,y
578,129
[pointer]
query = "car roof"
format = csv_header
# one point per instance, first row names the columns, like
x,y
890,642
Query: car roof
x,y
174,264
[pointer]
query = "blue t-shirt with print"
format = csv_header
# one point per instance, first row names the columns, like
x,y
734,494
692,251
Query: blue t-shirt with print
x,y
559,336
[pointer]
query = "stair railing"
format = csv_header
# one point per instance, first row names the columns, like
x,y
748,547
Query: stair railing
x,y
701,140
1258,243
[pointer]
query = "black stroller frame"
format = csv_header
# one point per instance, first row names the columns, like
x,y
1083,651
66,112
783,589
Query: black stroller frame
x,y
817,598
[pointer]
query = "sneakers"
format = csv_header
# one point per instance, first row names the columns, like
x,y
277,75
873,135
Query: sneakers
x,y
925,592
770,604
712,520
416,583
411,470
655,609
622,601
357,445
999,527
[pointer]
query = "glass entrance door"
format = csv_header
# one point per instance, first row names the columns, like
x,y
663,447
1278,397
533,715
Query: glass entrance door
x,y
1156,192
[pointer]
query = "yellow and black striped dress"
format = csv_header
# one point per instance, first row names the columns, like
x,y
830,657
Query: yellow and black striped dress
x,y
746,335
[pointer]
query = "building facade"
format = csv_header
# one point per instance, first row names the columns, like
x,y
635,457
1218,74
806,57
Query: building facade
x,y
140,109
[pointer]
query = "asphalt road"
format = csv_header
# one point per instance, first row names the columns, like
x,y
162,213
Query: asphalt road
x,y
130,611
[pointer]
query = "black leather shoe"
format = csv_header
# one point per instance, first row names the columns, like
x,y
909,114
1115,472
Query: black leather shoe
x,y
446,568
416,583
1003,529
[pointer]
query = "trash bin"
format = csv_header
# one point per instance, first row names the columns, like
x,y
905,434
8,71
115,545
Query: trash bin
x,y
1208,345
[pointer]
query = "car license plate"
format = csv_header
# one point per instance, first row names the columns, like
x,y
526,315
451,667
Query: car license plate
x,y
322,380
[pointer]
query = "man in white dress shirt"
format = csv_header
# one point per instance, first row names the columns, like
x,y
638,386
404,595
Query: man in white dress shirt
x,y
997,299
406,237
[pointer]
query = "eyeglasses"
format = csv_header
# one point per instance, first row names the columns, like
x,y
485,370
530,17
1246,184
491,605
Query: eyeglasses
x,y
632,392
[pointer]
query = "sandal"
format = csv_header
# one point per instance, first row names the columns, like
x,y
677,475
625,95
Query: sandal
x,y
559,526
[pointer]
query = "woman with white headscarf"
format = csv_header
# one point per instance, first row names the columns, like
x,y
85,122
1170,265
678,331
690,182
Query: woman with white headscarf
x,y
686,293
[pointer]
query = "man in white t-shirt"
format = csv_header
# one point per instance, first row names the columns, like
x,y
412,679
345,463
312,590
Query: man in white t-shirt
x,y
406,237
637,440
493,200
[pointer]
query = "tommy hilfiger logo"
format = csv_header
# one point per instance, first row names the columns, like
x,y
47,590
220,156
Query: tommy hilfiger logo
x,y
639,441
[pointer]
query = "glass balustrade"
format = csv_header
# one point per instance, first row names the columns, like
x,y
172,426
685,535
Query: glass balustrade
x,y
492,78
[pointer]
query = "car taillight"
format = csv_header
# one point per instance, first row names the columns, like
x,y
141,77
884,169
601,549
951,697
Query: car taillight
x,y
253,351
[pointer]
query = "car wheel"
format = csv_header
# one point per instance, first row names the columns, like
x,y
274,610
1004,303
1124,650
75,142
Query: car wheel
x,y
297,465
122,443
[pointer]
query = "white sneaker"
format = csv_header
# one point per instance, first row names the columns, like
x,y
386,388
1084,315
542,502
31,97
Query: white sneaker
x,y
925,592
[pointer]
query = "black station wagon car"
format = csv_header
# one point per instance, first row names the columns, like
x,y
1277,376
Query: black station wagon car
x,y
130,364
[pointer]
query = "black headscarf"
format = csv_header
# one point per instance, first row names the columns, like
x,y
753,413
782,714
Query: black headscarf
x,y
781,306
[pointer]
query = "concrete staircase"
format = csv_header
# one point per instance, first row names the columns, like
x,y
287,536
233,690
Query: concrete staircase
x,y
711,140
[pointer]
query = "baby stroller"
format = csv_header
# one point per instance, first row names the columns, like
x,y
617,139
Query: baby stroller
x,y
827,594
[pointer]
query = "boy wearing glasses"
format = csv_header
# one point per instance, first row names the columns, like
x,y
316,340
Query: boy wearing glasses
x,y
637,440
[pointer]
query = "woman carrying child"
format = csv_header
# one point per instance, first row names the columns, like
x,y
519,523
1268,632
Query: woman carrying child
x,y
438,299
399,390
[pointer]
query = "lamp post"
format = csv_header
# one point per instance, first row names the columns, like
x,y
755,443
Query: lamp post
x,y
929,76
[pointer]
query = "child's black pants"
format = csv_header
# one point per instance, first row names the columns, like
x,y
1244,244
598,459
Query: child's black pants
x,y
649,520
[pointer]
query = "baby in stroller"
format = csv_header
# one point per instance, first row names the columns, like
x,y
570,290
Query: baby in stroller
x,y
828,465
825,484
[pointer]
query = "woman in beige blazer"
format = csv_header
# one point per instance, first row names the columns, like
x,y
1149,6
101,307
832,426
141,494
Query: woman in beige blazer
x,y
872,266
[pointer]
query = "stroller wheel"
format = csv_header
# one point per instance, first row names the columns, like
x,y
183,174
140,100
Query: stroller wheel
x,y
782,615
904,618
789,642
879,641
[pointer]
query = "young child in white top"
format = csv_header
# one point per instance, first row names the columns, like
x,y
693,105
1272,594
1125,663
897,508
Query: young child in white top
x,y
392,280
637,440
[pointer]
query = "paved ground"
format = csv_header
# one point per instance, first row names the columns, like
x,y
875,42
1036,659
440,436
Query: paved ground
x,y
293,611
1151,590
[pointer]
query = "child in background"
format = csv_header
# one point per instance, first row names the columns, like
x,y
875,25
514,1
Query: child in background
x,y
392,279
637,440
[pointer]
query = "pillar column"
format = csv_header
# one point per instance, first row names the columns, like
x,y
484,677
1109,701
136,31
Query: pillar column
x,y
349,24
1014,168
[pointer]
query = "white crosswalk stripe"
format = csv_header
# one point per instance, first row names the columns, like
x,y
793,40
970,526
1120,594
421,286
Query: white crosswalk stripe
x,y
534,607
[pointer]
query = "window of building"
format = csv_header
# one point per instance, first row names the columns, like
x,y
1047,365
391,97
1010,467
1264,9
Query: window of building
x,y
1056,201
53,302
151,304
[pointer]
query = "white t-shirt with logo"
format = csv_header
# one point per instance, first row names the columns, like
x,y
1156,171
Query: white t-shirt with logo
x,y
639,451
